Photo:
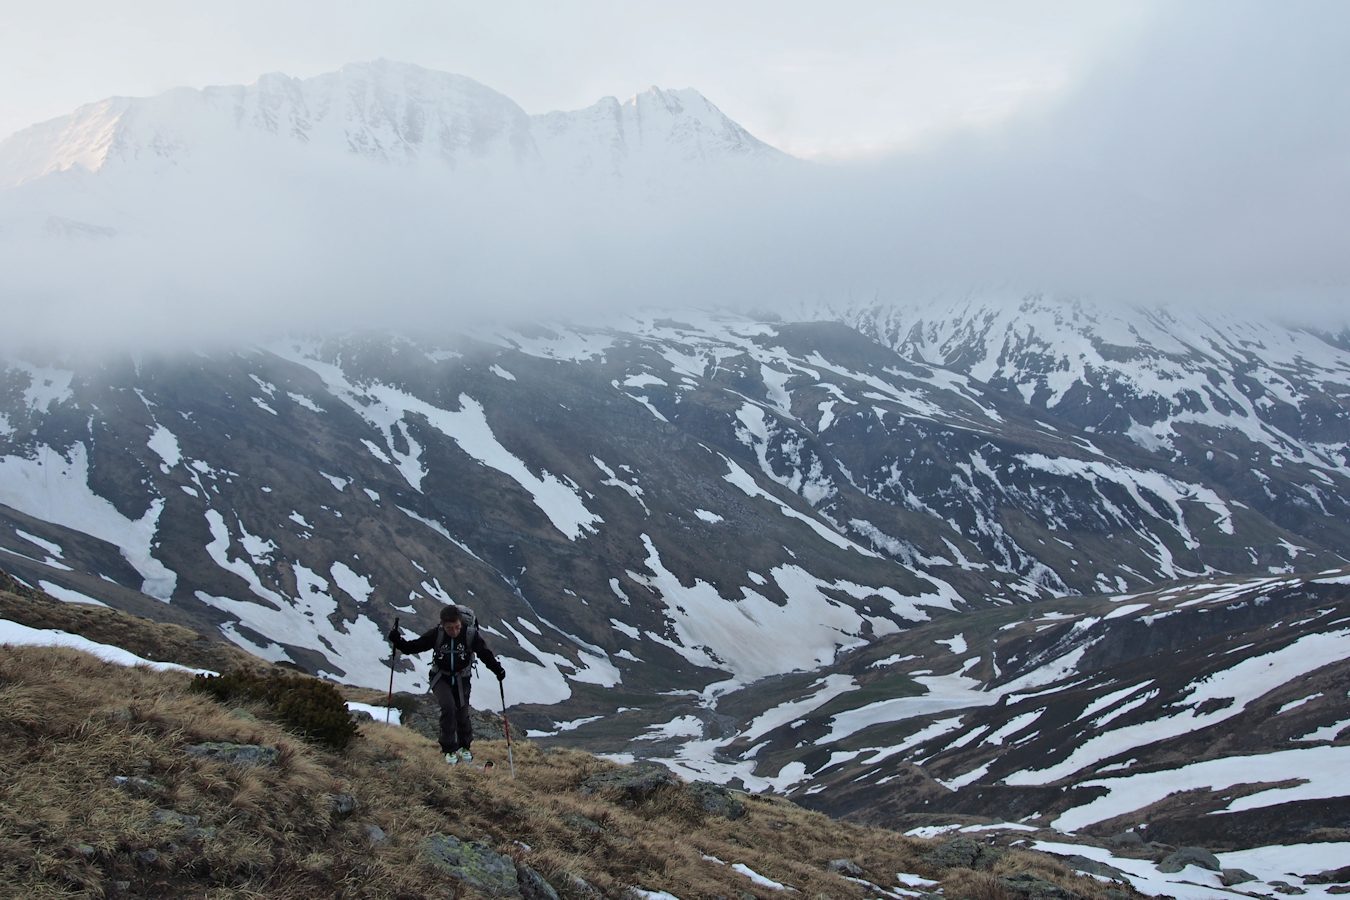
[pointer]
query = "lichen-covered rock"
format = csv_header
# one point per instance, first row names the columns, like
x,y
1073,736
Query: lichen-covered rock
x,y
373,834
717,800
239,754
633,784
1024,884
1190,856
474,863
533,886
963,853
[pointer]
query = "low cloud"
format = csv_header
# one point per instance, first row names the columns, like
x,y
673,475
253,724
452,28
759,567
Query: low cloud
x,y
1209,162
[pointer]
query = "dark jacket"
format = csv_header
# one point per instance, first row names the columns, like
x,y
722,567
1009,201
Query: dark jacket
x,y
452,657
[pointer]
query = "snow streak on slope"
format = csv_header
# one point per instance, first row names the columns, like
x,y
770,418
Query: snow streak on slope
x,y
387,407
710,630
1239,685
55,488
1323,772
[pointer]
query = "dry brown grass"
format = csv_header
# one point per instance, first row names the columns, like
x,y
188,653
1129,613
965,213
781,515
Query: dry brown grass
x,y
70,725
149,640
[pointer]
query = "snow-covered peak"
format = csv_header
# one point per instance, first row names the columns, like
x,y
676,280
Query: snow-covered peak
x,y
655,130
388,111
82,140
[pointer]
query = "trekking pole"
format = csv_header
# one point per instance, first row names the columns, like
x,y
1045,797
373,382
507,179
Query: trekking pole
x,y
506,726
393,659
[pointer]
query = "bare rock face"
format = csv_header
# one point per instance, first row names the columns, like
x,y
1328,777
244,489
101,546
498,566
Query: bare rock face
x,y
238,754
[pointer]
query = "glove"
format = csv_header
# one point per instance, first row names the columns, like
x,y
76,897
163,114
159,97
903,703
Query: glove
x,y
393,636
501,674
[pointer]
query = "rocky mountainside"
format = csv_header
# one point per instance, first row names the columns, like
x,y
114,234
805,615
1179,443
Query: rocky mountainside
x,y
1258,407
572,481
1088,715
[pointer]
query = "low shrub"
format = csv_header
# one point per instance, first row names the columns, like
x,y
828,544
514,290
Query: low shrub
x,y
313,709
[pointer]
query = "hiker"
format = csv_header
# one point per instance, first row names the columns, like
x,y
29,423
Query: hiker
x,y
454,642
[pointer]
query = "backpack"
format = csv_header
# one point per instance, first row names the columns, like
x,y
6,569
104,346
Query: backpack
x,y
468,634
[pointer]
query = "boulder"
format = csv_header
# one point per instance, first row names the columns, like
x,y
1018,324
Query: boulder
x,y
846,867
1284,887
1190,856
717,800
633,784
963,853
533,886
474,863
1330,876
1024,884
1230,877
1126,840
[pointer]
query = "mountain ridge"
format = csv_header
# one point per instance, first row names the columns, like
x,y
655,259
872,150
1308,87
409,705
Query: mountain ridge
x,y
380,110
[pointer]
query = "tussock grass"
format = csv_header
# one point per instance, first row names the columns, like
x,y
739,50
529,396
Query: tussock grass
x,y
95,782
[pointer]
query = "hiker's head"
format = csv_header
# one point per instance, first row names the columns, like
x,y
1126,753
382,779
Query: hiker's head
x,y
451,621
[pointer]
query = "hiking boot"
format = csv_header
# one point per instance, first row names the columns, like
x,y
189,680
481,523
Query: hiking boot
x,y
452,758
465,755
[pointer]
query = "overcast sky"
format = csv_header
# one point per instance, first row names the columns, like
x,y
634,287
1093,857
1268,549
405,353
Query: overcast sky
x,y
817,80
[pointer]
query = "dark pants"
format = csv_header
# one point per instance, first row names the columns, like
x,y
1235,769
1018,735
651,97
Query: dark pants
x,y
456,730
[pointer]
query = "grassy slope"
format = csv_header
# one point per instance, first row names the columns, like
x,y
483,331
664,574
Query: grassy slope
x,y
70,724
